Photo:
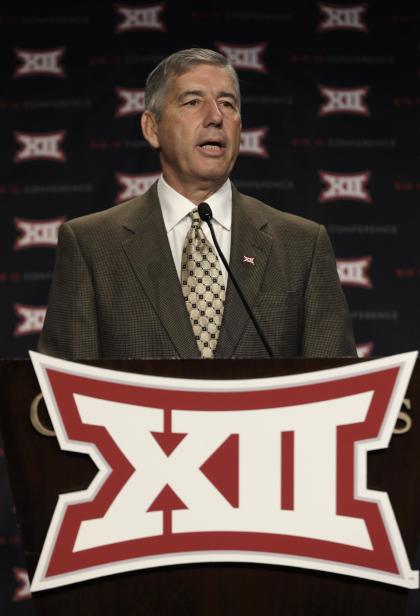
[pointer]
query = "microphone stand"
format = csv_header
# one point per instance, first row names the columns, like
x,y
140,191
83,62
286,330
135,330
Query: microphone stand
x,y
206,215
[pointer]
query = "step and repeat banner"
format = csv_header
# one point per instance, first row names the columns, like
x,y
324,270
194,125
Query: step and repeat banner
x,y
330,132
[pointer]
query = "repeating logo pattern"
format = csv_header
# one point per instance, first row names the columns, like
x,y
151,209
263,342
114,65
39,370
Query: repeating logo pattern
x,y
244,57
134,185
22,591
37,233
350,17
34,63
344,100
31,319
365,349
297,127
348,186
252,142
40,146
131,102
140,17
355,272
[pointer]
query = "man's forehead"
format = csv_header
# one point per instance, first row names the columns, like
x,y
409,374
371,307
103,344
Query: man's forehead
x,y
202,77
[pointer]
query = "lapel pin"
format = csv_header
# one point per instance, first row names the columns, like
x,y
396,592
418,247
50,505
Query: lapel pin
x,y
250,260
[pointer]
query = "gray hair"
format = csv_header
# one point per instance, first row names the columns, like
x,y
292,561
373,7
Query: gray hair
x,y
177,64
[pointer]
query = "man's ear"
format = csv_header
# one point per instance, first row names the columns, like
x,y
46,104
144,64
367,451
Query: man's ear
x,y
149,126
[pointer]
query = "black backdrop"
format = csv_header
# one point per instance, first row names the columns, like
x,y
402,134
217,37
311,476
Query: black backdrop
x,y
331,125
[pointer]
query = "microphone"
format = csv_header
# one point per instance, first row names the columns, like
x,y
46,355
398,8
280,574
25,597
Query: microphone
x,y
205,213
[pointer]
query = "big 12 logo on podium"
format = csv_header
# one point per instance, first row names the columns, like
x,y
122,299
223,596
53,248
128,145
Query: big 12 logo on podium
x,y
270,470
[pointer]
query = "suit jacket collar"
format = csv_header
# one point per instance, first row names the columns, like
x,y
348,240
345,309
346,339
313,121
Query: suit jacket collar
x,y
150,256
249,239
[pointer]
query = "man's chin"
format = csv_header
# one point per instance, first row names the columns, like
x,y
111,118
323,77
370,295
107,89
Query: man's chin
x,y
215,180
215,173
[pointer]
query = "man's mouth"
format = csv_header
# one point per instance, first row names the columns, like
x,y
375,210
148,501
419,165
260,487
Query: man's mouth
x,y
212,145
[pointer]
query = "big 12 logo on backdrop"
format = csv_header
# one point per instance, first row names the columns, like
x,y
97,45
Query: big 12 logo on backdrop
x,y
263,470
40,146
40,62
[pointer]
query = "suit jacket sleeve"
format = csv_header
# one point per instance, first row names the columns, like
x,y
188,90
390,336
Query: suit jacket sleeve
x,y
70,329
327,330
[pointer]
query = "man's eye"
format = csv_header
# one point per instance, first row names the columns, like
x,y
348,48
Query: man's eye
x,y
228,104
193,102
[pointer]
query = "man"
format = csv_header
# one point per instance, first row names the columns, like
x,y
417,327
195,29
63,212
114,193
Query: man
x,y
142,279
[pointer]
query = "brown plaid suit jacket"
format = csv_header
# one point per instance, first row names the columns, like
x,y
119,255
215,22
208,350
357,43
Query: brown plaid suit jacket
x,y
116,293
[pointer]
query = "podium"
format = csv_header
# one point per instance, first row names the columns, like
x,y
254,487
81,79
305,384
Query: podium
x,y
39,471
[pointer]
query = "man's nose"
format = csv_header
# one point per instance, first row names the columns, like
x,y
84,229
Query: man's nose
x,y
213,114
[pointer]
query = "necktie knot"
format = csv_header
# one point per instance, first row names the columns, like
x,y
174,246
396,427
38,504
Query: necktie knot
x,y
195,218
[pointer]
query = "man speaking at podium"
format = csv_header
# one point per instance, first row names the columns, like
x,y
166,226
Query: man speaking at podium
x,y
144,280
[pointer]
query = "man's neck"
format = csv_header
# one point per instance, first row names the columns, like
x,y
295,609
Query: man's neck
x,y
195,193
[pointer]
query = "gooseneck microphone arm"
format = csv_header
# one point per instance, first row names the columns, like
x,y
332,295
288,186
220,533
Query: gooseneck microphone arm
x,y
205,213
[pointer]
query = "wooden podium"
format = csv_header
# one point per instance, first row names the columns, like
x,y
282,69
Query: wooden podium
x,y
39,471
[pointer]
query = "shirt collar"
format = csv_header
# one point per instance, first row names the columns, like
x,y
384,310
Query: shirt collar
x,y
175,206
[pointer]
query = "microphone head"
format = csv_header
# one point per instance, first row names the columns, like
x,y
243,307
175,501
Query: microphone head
x,y
204,211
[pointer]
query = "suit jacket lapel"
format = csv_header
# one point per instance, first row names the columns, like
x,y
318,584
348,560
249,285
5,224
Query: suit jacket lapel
x,y
150,256
250,239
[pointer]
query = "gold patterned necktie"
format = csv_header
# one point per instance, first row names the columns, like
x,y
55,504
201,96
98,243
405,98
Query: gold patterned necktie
x,y
203,287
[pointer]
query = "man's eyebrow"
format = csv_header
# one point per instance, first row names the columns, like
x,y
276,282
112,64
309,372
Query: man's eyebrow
x,y
190,93
221,94
227,95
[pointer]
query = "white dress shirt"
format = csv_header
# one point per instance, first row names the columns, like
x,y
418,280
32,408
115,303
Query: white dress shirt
x,y
175,210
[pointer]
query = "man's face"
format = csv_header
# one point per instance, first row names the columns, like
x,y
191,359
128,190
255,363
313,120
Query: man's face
x,y
198,132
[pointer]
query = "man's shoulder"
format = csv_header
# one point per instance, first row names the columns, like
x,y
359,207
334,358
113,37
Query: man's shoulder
x,y
127,214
